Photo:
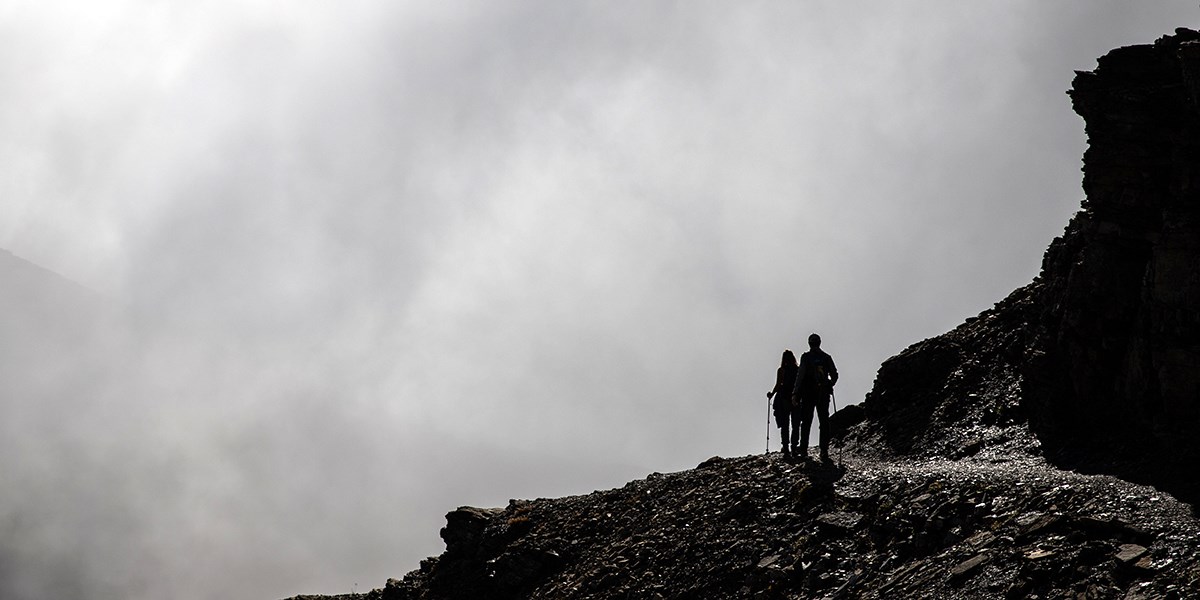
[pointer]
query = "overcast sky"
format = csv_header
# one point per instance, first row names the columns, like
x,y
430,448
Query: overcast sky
x,y
357,263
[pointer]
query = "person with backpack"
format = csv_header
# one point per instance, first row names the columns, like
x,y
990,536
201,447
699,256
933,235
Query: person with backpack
x,y
785,382
814,384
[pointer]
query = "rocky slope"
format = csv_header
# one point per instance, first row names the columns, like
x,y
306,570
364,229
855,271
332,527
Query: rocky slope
x,y
996,460
992,526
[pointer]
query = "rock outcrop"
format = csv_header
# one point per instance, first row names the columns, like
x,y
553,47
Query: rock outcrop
x,y
1100,355
1023,454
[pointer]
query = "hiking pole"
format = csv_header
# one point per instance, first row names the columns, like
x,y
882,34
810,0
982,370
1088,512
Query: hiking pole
x,y
833,396
768,450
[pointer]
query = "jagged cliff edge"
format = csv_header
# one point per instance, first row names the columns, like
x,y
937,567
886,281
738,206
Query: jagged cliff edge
x,y
1100,355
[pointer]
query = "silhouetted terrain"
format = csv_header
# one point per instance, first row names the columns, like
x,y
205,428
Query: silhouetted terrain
x,y
1044,448
986,527
1100,355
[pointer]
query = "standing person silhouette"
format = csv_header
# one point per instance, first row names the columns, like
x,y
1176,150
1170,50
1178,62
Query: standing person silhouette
x,y
785,383
814,384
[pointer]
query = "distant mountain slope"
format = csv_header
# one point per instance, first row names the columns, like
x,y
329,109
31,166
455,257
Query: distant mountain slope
x,y
40,307
51,334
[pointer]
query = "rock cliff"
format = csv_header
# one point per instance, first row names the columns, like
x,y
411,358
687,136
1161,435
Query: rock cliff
x,y
1023,454
1099,357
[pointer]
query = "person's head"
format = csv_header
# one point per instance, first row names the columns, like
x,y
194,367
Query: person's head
x,y
789,358
814,341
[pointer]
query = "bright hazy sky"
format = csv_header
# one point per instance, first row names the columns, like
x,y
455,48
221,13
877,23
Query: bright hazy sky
x,y
362,262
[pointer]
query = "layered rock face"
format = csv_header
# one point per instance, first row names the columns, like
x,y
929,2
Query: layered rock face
x,y
1101,354
1121,311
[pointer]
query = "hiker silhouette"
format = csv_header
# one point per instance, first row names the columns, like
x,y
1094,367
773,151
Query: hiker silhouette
x,y
815,378
785,382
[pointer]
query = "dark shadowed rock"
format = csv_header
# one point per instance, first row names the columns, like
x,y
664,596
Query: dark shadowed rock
x,y
1130,553
840,522
464,528
845,418
1099,357
966,567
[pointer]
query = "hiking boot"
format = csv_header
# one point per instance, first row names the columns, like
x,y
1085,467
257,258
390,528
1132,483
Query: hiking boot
x,y
825,457
787,454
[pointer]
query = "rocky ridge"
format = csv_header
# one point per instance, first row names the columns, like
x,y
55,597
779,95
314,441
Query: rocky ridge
x,y
990,526
996,460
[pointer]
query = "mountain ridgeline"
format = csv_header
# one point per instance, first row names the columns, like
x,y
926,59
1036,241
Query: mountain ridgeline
x,y
1045,448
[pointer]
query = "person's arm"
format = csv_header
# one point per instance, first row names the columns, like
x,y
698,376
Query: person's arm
x,y
833,374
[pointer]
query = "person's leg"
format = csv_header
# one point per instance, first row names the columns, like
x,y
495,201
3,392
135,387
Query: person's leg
x,y
822,422
781,420
800,434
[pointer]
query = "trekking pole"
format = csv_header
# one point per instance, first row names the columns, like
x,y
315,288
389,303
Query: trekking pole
x,y
768,450
833,396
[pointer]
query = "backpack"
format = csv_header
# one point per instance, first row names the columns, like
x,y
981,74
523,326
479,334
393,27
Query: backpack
x,y
814,373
